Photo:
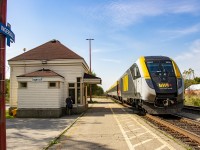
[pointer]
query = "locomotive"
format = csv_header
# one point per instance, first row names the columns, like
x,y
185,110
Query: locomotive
x,y
153,84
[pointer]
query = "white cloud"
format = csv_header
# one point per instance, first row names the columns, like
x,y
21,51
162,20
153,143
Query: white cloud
x,y
181,32
126,13
190,59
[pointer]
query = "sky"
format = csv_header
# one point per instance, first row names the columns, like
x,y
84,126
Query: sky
x,y
123,30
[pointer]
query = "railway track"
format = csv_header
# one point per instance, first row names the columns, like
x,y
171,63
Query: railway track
x,y
186,130
191,109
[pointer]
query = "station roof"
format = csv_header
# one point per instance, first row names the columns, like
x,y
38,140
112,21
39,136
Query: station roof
x,y
48,51
90,79
41,73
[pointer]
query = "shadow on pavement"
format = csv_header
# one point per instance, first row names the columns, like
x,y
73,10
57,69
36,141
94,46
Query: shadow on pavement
x,y
77,145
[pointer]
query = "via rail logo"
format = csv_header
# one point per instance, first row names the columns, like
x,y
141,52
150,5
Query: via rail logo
x,y
6,30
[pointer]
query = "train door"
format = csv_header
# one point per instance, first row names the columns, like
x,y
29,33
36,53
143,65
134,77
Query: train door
x,y
138,82
134,85
118,90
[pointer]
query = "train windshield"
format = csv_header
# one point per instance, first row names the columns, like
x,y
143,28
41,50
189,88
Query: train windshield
x,y
158,68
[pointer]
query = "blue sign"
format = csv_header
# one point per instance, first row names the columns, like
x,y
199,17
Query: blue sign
x,y
6,30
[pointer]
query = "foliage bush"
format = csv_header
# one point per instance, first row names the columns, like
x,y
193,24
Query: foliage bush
x,y
7,90
192,99
8,116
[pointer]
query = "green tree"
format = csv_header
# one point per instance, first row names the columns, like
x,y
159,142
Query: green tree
x,y
197,80
7,90
188,74
96,90
189,78
188,82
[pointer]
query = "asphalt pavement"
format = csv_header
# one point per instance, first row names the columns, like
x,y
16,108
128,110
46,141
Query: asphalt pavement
x,y
33,133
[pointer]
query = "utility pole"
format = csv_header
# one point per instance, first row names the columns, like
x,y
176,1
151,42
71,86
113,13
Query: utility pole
x,y
90,66
3,11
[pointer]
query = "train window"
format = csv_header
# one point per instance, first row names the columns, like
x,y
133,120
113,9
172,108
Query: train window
x,y
137,72
153,67
160,67
168,67
132,71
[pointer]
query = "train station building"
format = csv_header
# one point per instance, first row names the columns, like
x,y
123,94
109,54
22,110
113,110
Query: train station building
x,y
43,77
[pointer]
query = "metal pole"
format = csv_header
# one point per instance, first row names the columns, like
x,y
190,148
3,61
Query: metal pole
x,y
3,11
90,67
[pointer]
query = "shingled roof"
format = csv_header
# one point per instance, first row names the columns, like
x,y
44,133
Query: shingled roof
x,y
41,73
48,51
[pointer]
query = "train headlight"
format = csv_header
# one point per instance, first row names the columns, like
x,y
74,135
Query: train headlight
x,y
179,83
150,83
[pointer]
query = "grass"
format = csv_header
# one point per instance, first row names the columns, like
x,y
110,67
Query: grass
x,y
8,116
192,99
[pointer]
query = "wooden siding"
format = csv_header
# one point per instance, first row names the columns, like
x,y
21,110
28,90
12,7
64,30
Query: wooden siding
x,y
38,95
69,72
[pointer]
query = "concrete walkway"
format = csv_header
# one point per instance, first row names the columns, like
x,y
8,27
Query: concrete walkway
x,y
110,126
35,134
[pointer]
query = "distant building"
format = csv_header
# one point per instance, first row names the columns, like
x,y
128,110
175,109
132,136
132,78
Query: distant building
x,y
42,78
193,89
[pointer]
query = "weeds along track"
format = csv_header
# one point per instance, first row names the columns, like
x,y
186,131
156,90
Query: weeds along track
x,y
186,130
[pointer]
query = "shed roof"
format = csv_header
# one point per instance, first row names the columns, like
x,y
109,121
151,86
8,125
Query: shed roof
x,y
193,87
48,51
41,73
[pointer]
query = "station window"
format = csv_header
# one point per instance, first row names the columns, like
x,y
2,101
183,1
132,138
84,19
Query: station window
x,y
72,91
78,90
71,85
54,84
22,85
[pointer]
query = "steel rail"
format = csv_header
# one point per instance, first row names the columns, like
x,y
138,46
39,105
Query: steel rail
x,y
188,134
190,121
187,120
195,108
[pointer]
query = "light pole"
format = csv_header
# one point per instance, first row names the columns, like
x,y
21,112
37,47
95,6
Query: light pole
x,y
90,66
3,11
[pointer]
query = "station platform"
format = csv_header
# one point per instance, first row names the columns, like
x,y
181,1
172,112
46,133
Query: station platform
x,y
108,125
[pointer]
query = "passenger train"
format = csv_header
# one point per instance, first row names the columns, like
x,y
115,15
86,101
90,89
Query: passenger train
x,y
153,84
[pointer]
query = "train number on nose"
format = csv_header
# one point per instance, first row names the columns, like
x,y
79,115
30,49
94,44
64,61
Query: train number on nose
x,y
164,85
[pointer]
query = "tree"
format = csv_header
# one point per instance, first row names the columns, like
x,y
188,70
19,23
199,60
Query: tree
x,y
189,78
197,80
96,90
7,90
188,74
191,73
188,82
185,74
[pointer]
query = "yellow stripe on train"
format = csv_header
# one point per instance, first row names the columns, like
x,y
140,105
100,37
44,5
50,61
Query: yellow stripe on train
x,y
144,68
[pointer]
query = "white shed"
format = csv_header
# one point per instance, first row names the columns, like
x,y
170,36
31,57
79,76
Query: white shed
x,y
42,78
193,89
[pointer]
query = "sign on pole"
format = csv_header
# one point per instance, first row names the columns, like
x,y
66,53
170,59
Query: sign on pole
x,y
6,30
